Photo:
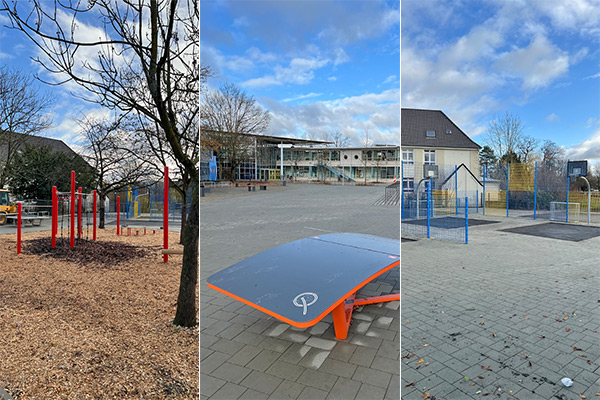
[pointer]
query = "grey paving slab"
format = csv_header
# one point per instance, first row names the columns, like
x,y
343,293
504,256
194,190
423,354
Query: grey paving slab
x,y
284,361
503,302
344,389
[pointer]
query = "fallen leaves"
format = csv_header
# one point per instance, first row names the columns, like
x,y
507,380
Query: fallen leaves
x,y
420,361
488,368
426,395
575,348
410,384
425,345
568,329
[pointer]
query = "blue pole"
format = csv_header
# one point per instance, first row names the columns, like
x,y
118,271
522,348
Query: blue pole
x,y
431,198
535,192
568,183
476,201
466,220
428,216
507,186
483,202
402,189
456,187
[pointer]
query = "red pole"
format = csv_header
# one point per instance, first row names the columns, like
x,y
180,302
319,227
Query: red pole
x,y
18,228
72,209
79,213
54,216
118,213
166,214
95,215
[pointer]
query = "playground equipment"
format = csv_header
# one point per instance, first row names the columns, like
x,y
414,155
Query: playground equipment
x,y
73,203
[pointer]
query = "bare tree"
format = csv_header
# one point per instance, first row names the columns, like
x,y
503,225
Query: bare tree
x,y
367,155
339,139
23,111
144,62
552,155
527,147
504,134
228,115
110,152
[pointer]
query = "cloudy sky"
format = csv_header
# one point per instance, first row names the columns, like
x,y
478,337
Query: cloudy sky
x,y
317,66
537,59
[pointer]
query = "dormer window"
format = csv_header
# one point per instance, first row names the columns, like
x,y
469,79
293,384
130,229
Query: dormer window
x,y
448,132
430,134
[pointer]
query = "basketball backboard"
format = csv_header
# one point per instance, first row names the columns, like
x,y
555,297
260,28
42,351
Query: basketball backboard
x,y
577,168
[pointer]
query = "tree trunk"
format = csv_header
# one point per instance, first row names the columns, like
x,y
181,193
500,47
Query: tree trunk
x,y
183,214
102,211
186,301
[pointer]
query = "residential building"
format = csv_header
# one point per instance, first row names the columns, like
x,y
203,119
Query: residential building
x,y
435,149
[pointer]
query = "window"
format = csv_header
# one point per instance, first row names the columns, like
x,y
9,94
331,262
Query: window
x,y
429,157
356,156
408,185
448,132
345,156
408,156
430,134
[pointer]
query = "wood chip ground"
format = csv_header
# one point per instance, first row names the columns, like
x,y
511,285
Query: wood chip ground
x,y
94,322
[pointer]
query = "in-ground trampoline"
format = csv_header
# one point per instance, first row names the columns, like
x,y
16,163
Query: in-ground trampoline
x,y
448,222
561,231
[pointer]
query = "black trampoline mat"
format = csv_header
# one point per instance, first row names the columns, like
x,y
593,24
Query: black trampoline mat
x,y
448,222
554,230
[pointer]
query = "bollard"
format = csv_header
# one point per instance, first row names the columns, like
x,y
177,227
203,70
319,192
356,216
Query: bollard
x,y
249,188
201,191
284,183
254,188
263,187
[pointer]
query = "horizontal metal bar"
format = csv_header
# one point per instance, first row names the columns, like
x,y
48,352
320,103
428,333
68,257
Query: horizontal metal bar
x,y
377,299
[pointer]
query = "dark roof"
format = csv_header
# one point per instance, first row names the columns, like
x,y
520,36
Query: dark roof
x,y
279,139
54,145
415,124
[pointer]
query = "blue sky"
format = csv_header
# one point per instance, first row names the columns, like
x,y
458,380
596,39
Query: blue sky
x,y
16,51
537,59
317,66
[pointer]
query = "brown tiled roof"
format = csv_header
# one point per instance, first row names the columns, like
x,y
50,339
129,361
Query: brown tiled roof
x,y
415,124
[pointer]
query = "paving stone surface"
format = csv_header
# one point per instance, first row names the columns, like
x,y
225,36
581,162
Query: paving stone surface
x,y
506,316
247,354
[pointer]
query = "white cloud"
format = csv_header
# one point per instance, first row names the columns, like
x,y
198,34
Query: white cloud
x,y
552,118
302,97
212,56
299,71
340,57
587,150
259,56
390,79
593,76
590,122
537,65
351,115
332,78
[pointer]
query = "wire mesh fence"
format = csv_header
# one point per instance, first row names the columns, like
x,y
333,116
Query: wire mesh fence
x,y
147,203
538,191
435,214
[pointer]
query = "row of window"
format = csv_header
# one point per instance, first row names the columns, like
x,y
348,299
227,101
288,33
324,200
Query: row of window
x,y
334,155
408,156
